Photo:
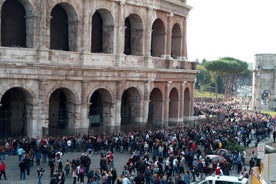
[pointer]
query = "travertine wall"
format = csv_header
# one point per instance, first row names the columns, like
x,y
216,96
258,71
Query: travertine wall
x,y
264,82
39,74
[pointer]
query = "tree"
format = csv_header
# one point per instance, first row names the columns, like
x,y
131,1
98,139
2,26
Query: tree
x,y
215,67
203,78
229,69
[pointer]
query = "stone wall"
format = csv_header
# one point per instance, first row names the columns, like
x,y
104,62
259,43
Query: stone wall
x,y
264,82
63,88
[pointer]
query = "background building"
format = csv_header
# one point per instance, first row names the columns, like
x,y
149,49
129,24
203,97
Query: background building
x,y
264,83
70,66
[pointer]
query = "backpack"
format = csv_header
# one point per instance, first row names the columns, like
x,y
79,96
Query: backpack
x,y
81,171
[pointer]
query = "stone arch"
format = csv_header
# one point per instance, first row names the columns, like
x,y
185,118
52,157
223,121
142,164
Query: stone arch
x,y
133,35
16,111
100,108
176,41
155,115
130,106
265,97
102,35
62,111
173,105
17,29
63,28
187,102
158,38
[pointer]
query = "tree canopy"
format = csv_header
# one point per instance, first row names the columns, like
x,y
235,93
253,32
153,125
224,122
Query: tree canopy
x,y
229,69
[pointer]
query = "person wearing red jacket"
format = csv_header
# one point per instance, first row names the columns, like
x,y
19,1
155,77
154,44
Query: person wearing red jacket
x,y
3,169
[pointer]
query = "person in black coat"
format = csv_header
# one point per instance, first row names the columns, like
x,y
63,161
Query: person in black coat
x,y
114,175
22,167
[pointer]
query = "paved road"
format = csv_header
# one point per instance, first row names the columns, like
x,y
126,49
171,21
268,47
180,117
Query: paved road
x,y
13,173
13,170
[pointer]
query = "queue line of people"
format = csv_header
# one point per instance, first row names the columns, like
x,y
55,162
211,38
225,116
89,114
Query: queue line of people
x,y
165,152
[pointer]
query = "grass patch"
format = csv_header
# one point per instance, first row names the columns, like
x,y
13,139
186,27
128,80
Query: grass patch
x,y
271,113
206,94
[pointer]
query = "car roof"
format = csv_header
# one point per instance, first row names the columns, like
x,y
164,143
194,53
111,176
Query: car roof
x,y
234,179
213,156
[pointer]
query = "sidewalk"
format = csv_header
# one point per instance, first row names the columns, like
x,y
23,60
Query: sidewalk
x,y
13,172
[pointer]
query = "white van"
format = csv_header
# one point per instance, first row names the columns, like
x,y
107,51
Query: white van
x,y
216,179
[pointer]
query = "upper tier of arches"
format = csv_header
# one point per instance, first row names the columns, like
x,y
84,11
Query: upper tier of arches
x,y
110,28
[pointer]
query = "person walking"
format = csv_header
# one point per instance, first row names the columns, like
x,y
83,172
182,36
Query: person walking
x,y
2,151
81,173
52,167
22,167
37,157
28,162
20,153
3,169
67,167
74,174
40,172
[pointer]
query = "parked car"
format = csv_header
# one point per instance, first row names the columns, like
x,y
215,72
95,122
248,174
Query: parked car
x,y
215,179
217,158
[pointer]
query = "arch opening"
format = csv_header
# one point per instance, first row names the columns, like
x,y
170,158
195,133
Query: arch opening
x,y
173,106
158,38
100,108
187,102
130,107
102,35
133,35
15,113
59,29
13,25
176,42
62,110
97,33
155,115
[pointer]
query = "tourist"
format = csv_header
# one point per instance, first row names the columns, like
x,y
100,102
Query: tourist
x,y
3,169
20,153
22,167
67,167
40,172
74,174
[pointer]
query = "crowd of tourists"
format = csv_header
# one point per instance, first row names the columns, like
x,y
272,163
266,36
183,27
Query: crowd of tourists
x,y
168,155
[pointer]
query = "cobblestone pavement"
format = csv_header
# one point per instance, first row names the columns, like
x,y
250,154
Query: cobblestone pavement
x,y
120,159
13,172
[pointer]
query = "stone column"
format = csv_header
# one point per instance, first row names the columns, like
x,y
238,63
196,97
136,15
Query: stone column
x,y
85,33
84,107
166,103
168,40
85,37
48,30
40,31
181,100
184,54
120,36
146,101
42,107
73,32
192,88
147,43
30,25
119,88
41,26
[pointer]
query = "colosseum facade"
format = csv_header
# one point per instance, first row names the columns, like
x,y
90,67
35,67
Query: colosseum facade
x,y
71,66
